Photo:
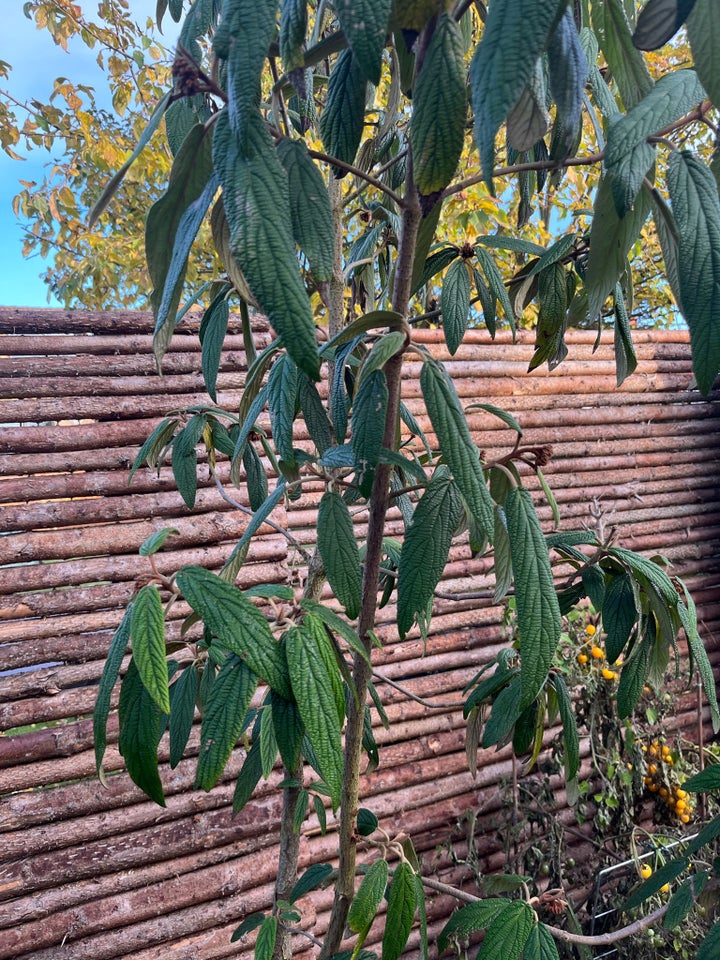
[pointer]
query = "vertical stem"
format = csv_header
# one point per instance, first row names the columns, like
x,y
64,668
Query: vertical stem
x,y
378,505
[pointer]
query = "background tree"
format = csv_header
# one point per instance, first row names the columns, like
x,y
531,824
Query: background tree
x,y
322,143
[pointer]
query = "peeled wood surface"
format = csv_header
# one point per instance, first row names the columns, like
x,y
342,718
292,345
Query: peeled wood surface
x,y
95,873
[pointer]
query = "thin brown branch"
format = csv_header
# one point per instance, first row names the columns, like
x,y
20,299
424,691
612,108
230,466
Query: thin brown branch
x,y
356,171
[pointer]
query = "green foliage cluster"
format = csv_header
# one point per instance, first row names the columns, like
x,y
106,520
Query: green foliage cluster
x,y
387,91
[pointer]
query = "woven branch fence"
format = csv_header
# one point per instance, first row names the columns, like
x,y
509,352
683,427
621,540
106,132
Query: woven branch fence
x,y
88,873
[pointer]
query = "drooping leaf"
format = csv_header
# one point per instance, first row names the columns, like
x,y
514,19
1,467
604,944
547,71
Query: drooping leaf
x,y
257,206
223,719
247,926
167,225
365,24
659,21
184,459
237,623
235,560
147,633
364,906
527,122
367,822
156,541
339,551
336,625
682,902
495,281
650,570
183,694
151,450
537,604
705,781
315,679
633,675
309,207
696,207
255,477
368,426
242,40
668,236
508,933
626,63
571,740
282,389
293,27
455,304
552,295
248,777
400,912
503,560
343,119
516,33
619,615
439,109
625,357
628,155
267,935
382,350
699,657
436,262
315,876
567,74
426,546
474,916
458,449
141,725
315,415
214,328
611,238
703,27
111,670
540,944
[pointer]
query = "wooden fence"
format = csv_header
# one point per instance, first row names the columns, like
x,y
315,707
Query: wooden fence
x,y
88,872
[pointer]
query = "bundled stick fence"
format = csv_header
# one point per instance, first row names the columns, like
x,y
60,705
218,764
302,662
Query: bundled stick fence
x,y
89,872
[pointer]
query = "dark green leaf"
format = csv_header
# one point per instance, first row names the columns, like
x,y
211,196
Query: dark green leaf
x,y
268,743
339,551
527,122
619,615
611,238
320,813
504,714
668,236
188,193
515,34
150,451
698,655
289,729
247,926
495,281
141,725
437,127
426,547
474,916
183,695
503,560
659,21
257,206
594,582
223,719
237,623
215,324
237,557
147,632
628,155
365,24
343,119
703,27
315,876
696,207
265,942
293,27
682,902
508,933
337,625
456,444
705,781
282,396
649,569
368,426
455,304
383,349
567,73
435,263
184,459
400,911
316,418
710,946
625,357
664,874
255,477
368,898
540,944
367,822
309,207
632,678
242,39
570,731
156,541
552,295
315,682
249,776
627,65
111,669
537,603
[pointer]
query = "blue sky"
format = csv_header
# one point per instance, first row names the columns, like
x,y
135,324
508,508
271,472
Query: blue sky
x,y
36,63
